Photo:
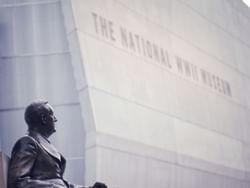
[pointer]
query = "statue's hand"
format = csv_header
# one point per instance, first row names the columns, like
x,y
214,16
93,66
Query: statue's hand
x,y
99,185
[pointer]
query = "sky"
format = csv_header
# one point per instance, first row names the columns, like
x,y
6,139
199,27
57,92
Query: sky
x,y
247,2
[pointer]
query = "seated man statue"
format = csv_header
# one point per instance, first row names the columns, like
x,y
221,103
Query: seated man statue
x,y
35,162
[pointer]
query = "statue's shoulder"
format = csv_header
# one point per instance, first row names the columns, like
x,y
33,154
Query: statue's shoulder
x,y
25,142
26,139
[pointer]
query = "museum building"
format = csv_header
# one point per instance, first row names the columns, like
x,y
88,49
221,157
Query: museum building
x,y
147,93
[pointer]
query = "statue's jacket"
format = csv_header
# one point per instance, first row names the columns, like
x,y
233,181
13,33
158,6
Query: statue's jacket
x,y
35,163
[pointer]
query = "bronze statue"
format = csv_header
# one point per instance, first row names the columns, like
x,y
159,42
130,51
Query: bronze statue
x,y
35,162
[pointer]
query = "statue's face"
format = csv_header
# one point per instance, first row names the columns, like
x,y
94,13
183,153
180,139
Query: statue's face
x,y
48,120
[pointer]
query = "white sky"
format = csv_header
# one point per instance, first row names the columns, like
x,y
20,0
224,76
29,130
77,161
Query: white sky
x,y
247,2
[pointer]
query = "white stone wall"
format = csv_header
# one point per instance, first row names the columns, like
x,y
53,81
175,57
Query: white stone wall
x,y
153,119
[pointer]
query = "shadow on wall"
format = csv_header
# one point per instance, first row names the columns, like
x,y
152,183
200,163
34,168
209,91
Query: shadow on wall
x,y
3,33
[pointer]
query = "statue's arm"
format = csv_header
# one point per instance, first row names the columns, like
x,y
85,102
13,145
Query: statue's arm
x,y
96,185
22,160
78,186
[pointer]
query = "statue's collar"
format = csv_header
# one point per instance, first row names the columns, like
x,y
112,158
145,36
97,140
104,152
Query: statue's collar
x,y
45,143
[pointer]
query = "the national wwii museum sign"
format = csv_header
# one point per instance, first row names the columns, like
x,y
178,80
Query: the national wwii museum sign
x,y
138,45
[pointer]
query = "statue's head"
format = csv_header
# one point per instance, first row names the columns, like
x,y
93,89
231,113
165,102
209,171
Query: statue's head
x,y
39,116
